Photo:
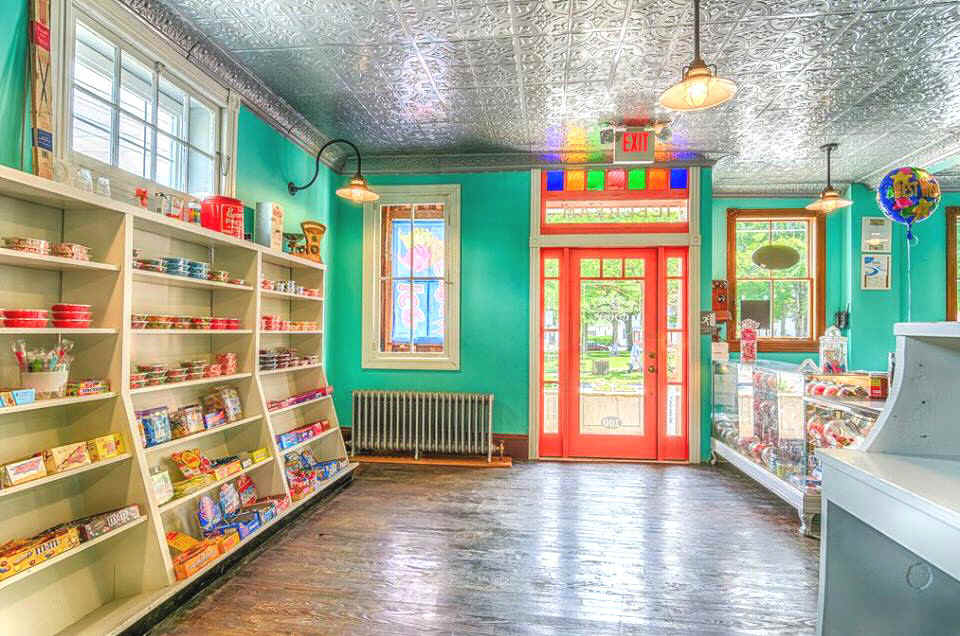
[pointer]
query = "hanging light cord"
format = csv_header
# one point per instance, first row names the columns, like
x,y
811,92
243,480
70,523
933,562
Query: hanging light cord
x,y
696,29
293,189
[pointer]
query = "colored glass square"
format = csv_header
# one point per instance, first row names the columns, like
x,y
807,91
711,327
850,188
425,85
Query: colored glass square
x,y
555,181
576,180
637,179
595,180
657,179
678,178
616,179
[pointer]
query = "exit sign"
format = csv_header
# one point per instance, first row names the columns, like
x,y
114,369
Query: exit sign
x,y
634,145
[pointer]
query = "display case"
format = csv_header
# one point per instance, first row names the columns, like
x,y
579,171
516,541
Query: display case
x,y
769,417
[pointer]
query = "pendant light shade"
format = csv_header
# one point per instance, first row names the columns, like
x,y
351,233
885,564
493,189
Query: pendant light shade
x,y
830,198
700,87
356,189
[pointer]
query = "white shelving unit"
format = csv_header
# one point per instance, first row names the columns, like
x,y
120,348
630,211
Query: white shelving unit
x,y
114,580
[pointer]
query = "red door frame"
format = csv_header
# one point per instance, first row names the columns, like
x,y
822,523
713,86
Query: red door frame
x,y
664,448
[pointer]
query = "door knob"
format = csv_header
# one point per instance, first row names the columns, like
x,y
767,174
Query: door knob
x,y
651,369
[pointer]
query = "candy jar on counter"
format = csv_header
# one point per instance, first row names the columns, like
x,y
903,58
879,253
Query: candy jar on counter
x,y
748,340
833,351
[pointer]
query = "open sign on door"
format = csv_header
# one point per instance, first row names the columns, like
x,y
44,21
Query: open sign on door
x,y
634,145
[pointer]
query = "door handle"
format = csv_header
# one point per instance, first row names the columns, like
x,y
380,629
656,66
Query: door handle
x,y
651,369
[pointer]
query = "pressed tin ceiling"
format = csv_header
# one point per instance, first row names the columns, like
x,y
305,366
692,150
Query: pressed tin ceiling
x,y
479,84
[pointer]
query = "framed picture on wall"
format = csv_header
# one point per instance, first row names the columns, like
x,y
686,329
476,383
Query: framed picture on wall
x,y
875,271
875,234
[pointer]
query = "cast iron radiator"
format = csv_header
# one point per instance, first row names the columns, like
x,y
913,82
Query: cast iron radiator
x,y
443,423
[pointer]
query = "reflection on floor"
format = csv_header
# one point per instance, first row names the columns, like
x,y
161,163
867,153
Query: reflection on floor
x,y
542,548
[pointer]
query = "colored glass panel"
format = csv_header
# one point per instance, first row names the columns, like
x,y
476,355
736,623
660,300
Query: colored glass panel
x,y
678,178
657,179
595,180
614,212
576,180
637,179
616,179
555,181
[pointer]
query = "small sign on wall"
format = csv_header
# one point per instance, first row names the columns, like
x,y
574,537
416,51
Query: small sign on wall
x,y
875,271
875,234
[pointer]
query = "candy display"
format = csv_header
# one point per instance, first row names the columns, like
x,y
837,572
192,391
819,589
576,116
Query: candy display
x,y
31,245
74,251
163,321
66,457
302,434
97,525
105,447
177,266
283,358
152,374
20,472
300,398
289,287
16,397
305,474
154,426
276,323
226,399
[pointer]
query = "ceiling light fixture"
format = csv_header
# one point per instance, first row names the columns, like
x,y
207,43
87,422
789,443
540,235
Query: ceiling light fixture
x,y
830,198
356,189
700,87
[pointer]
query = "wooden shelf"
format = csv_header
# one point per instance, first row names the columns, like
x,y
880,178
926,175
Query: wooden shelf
x,y
180,385
190,232
160,278
179,501
300,405
56,263
49,479
83,547
56,332
290,369
265,332
49,404
266,293
313,439
188,439
282,259
189,332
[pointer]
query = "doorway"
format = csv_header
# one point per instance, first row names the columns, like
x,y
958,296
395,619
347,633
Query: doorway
x,y
613,353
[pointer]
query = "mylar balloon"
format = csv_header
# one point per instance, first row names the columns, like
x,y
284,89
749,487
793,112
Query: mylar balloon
x,y
908,195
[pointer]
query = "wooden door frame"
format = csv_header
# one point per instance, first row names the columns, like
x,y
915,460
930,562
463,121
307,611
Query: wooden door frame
x,y
696,422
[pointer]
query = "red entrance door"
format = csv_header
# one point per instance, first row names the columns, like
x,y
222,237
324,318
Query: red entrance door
x,y
613,353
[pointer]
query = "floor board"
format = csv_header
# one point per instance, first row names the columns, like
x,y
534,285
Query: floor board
x,y
542,548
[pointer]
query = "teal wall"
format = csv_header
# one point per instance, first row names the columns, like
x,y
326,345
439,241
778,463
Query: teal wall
x,y
708,247
13,66
494,299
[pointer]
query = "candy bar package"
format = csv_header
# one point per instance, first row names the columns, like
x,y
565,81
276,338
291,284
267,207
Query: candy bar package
x,y
208,513
229,500
162,485
267,511
226,467
280,502
180,542
226,399
25,470
259,455
187,420
214,419
155,424
191,463
66,457
187,486
189,563
246,490
227,541
22,554
105,447
96,525
308,459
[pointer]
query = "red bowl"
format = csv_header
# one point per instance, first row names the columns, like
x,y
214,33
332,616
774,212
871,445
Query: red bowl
x,y
72,315
71,324
25,323
33,314
71,307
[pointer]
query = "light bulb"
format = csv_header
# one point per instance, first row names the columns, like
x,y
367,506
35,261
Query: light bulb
x,y
697,90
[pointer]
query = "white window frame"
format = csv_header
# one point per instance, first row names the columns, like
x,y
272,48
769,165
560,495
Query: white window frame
x,y
117,24
372,357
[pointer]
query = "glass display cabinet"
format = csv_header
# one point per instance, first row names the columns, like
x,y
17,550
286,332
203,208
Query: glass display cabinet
x,y
769,417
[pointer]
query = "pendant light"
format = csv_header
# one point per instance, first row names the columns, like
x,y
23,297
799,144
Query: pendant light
x,y
356,189
830,198
700,88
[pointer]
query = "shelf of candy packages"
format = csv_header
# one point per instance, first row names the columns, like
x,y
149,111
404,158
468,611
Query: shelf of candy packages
x,y
177,266
44,375
159,425
226,516
65,316
305,474
163,321
47,464
283,358
303,434
289,287
276,323
299,398
73,251
155,374
198,472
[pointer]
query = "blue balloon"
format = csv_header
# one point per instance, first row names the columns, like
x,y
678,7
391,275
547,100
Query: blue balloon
x,y
908,195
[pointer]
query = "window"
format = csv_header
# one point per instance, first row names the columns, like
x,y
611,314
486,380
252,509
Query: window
x,y
788,303
953,275
130,114
411,297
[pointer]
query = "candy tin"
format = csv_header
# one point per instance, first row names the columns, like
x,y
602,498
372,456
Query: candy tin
x,y
237,281
232,323
74,251
176,375
152,366
34,314
72,315
138,324
198,322
25,323
72,324
36,246
71,307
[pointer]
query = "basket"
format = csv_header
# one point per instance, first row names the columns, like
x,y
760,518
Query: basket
x,y
47,384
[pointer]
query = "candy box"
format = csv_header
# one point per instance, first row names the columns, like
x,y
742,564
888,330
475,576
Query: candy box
x,y
17,556
105,447
222,471
246,523
96,525
227,541
23,396
214,419
66,457
259,455
180,542
288,439
209,514
191,462
187,486
189,563
25,470
266,510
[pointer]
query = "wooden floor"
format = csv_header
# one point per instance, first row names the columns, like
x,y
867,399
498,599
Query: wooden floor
x,y
542,548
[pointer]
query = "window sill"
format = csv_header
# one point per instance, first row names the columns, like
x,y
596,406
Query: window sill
x,y
780,346
412,364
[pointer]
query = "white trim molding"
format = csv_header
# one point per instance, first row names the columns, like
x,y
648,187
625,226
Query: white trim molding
x,y
533,428
372,357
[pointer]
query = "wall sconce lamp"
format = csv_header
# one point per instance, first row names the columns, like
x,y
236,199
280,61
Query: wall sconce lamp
x,y
356,189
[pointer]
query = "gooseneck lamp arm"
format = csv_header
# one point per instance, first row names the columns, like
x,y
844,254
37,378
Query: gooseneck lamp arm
x,y
293,188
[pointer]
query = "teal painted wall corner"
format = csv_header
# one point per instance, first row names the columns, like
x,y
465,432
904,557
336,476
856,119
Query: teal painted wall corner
x,y
494,299
708,240
14,131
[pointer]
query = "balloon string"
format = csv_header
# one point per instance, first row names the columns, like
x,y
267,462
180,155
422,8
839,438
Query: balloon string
x,y
909,277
